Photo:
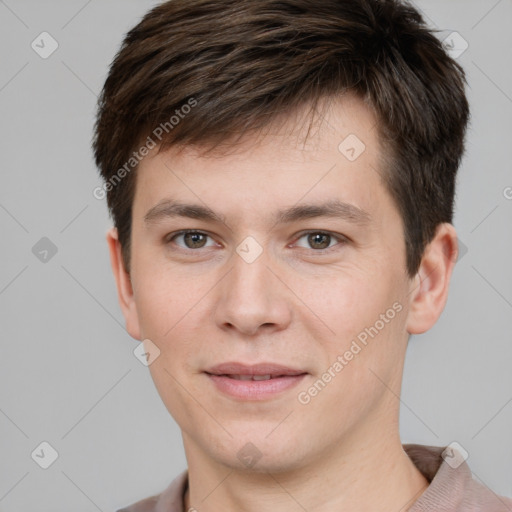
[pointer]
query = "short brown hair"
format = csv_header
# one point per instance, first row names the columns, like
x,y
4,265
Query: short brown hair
x,y
243,63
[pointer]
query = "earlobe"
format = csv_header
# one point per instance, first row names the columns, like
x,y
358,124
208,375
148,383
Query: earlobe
x,y
124,285
429,288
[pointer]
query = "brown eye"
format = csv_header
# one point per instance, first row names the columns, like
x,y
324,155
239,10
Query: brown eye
x,y
319,240
194,240
191,240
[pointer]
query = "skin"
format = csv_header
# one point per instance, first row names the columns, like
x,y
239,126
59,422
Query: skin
x,y
294,305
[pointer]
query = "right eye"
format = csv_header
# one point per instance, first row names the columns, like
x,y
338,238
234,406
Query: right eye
x,y
190,239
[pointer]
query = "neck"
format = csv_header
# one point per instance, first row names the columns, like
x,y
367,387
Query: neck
x,y
373,476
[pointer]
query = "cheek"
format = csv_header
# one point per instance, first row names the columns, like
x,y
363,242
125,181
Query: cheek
x,y
346,302
164,300
362,360
179,338
172,311
174,389
362,321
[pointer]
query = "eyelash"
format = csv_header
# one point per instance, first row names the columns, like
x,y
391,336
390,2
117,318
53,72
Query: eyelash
x,y
341,239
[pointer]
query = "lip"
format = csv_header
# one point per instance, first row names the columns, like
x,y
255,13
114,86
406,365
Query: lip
x,y
255,389
272,369
282,378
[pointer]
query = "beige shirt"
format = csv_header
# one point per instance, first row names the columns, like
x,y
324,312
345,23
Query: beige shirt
x,y
450,489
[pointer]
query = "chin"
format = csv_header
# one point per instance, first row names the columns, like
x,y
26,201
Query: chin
x,y
257,454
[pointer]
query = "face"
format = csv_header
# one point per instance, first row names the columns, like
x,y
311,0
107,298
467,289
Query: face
x,y
293,254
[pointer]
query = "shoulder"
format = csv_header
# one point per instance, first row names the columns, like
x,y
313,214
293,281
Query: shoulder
x,y
452,485
145,505
169,500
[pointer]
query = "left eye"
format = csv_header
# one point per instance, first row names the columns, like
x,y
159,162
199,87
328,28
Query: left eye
x,y
319,240
192,239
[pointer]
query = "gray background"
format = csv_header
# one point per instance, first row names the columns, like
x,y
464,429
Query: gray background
x,y
68,373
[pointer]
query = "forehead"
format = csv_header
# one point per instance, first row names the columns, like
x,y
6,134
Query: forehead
x,y
330,153
303,132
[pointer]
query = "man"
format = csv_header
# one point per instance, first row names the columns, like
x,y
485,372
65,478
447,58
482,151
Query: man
x,y
281,180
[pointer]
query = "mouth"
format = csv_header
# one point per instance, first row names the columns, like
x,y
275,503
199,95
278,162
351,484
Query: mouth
x,y
256,382
253,377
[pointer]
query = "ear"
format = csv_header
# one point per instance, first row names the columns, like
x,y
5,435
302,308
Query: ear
x,y
124,285
429,288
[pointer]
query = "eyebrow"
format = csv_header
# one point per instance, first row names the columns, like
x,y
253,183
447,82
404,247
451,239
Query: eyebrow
x,y
167,208
335,208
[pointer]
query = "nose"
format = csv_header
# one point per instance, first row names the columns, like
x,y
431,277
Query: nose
x,y
251,299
